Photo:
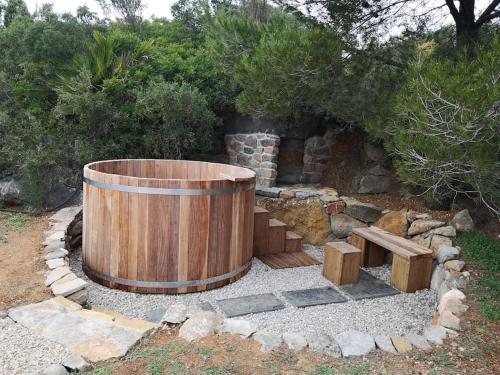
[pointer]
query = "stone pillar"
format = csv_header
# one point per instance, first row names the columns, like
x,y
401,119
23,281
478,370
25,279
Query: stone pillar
x,y
316,154
257,151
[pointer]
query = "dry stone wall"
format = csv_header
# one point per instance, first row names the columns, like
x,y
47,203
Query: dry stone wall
x,y
256,151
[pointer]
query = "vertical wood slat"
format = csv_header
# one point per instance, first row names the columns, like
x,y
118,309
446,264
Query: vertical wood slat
x,y
146,237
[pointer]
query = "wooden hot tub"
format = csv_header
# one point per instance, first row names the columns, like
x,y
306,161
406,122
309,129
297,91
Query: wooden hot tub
x,y
167,226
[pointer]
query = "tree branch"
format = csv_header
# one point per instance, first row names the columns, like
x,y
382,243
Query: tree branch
x,y
489,13
453,9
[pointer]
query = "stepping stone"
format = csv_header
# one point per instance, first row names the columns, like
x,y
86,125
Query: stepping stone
x,y
250,304
57,274
156,315
55,263
354,343
368,287
69,287
313,297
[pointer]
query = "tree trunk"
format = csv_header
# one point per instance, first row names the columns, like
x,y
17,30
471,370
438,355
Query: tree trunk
x,y
466,29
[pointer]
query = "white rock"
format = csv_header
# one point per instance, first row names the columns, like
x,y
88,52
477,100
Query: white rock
x,y
61,253
446,253
455,265
200,325
447,231
70,287
268,340
454,293
55,263
79,297
448,320
175,314
462,221
354,343
384,343
453,305
443,289
75,362
238,327
3,314
56,274
438,242
55,370
294,340
323,343
435,334
438,276
55,245
421,226
418,341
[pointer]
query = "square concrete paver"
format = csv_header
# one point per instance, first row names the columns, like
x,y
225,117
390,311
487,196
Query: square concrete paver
x,y
312,297
250,304
368,287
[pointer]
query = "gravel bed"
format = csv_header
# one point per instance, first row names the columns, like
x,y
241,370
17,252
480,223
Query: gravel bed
x,y
398,314
23,352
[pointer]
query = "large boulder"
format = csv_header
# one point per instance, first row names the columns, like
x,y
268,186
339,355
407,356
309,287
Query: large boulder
x,y
365,212
462,221
11,192
342,225
305,217
394,222
373,184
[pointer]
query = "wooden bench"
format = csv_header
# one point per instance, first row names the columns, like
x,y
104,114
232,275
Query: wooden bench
x,y
411,263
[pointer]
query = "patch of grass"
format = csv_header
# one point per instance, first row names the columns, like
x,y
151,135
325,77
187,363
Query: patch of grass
x,y
156,368
442,358
357,370
323,371
99,371
226,370
484,252
274,368
177,368
16,221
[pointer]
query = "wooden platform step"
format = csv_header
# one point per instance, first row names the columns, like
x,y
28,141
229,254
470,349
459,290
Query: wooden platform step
x,y
289,260
261,231
277,237
293,242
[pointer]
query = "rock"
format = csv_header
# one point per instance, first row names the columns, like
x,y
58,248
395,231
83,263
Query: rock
x,y
455,294
456,280
438,276
394,222
287,194
365,212
199,307
335,207
69,277
448,320
342,225
55,370
200,325
421,226
453,305
401,344
446,253
384,343
455,265
462,221
268,340
323,343
65,215
3,314
435,334
439,241
175,314
423,217
300,216
294,340
55,263
422,241
79,297
270,192
443,289
155,315
418,341
69,287
54,246
56,274
11,192
74,362
373,184
354,343
61,253
447,231
374,153
378,170
238,327
329,198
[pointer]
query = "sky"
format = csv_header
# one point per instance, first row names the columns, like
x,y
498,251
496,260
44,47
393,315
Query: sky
x,y
157,8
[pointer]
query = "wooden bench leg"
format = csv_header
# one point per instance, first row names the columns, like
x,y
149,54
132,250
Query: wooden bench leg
x,y
360,243
409,275
372,255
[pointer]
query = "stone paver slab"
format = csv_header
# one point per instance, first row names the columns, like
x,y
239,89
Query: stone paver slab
x,y
313,297
250,304
368,287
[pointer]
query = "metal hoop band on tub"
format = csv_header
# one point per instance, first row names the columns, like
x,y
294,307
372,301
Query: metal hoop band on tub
x,y
162,191
164,284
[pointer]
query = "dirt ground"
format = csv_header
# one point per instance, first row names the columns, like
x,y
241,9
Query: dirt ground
x,y
21,266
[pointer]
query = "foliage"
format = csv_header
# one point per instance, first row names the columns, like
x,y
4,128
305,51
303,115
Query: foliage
x,y
445,129
485,253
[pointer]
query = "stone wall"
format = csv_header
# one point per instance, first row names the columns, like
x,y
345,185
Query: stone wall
x,y
256,151
316,154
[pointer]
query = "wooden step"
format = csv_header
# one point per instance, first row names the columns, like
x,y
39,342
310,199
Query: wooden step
x,y
277,237
293,242
261,231
289,260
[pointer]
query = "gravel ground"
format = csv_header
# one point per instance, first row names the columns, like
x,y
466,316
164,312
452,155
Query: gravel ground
x,y
23,352
398,314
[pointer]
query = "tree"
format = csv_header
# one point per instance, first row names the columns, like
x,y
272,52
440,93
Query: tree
x,y
129,10
13,9
368,15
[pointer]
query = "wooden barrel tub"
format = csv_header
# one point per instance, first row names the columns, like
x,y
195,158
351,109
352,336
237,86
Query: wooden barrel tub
x,y
167,226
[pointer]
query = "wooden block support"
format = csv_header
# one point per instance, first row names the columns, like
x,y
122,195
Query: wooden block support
x,y
261,231
409,275
342,262
277,237
293,242
372,255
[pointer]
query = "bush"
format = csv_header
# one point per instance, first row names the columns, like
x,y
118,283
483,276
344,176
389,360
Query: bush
x,y
446,126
